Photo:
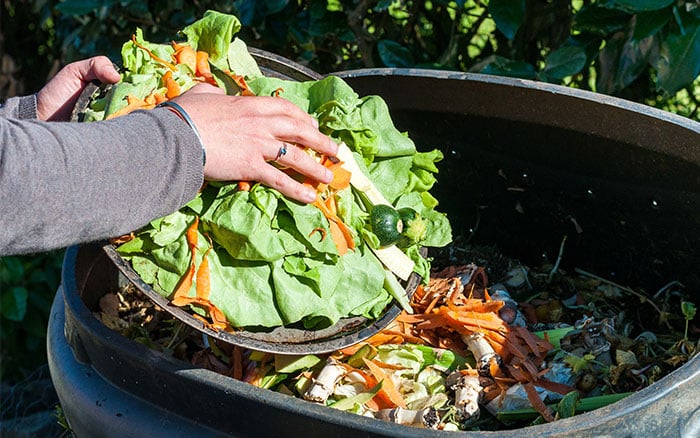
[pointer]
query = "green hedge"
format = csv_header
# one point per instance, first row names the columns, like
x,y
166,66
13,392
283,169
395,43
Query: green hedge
x,y
641,50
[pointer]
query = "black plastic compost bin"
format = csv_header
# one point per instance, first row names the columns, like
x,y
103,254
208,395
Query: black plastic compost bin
x,y
621,180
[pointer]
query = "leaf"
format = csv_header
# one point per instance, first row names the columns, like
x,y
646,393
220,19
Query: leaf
x,y
323,22
678,64
358,399
285,363
245,11
554,336
14,303
225,81
213,34
641,5
11,269
508,15
275,6
621,61
577,363
599,20
81,7
647,24
688,310
394,54
567,406
565,61
383,5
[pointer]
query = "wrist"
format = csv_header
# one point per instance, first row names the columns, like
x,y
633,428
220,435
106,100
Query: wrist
x,y
180,112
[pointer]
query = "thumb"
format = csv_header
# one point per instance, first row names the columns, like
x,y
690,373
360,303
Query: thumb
x,y
100,68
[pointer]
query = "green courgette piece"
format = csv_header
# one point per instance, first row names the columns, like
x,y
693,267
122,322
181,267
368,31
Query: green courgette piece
x,y
386,224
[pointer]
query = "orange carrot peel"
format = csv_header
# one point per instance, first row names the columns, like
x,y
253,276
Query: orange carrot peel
x,y
170,65
203,285
134,103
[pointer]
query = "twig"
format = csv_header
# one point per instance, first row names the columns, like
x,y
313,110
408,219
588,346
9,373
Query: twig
x,y
559,257
642,297
663,289
472,232
355,23
174,341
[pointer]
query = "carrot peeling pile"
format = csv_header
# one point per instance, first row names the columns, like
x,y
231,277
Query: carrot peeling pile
x,y
450,320
181,296
464,319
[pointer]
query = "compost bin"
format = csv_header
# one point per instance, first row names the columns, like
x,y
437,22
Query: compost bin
x,y
621,179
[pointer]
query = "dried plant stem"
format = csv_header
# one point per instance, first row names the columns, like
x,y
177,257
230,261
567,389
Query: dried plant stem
x,y
642,297
427,418
559,257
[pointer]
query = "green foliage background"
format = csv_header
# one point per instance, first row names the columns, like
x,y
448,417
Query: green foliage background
x,y
646,51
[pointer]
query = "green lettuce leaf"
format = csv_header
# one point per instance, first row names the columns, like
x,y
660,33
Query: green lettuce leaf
x,y
213,34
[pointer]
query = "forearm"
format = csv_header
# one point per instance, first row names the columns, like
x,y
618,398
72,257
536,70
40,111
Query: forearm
x,y
66,183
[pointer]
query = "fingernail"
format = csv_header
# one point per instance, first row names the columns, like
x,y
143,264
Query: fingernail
x,y
314,122
328,175
334,143
309,195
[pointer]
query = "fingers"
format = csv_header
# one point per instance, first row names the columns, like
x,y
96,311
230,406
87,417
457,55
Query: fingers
x,y
294,157
103,70
280,181
263,139
56,99
293,125
97,68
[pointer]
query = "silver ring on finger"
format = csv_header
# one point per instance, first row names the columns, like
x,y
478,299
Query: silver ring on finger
x,y
281,152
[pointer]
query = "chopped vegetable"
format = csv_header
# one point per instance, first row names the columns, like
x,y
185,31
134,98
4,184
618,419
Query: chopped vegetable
x,y
414,226
386,224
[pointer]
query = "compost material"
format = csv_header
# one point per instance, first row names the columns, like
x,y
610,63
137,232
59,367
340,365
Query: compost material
x,y
491,344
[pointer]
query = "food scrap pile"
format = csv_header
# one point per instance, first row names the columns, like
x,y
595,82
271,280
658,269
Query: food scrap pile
x,y
469,357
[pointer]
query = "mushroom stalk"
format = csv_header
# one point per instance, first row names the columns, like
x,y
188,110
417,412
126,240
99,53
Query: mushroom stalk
x,y
468,393
323,386
483,352
427,418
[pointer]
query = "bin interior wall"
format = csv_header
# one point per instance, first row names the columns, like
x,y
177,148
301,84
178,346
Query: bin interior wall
x,y
525,167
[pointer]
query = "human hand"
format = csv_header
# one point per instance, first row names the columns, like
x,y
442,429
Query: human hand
x,y
243,136
56,99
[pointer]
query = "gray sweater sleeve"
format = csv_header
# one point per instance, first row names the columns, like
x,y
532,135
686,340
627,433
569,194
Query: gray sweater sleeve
x,y
68,183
